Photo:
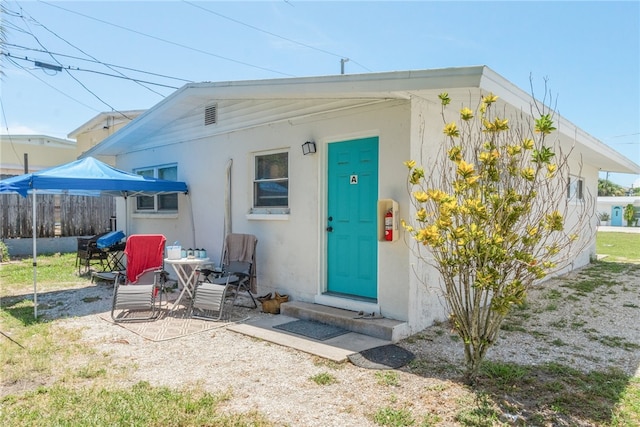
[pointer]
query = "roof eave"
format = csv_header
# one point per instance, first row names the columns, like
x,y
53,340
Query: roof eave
x,y
396,84
100,118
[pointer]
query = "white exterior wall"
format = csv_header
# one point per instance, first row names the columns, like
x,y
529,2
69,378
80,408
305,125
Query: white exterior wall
x,y
291,248
427,299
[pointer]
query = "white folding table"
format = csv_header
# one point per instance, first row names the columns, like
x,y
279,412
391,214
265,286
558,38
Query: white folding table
x,y
186,270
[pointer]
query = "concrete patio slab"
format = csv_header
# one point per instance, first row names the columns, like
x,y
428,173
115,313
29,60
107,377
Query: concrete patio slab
x,y
336,349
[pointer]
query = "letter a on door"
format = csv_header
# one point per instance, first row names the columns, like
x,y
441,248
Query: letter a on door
x,y
353,180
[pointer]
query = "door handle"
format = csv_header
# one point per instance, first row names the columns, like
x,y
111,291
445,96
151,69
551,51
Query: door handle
x,y
330,218
329,229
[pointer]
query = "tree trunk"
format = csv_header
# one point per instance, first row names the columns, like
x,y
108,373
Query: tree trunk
x,y
473,360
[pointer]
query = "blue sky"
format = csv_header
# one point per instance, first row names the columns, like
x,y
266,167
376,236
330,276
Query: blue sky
x,y
588,51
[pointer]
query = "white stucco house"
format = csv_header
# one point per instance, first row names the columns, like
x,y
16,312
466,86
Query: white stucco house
x,y
614,206
319,217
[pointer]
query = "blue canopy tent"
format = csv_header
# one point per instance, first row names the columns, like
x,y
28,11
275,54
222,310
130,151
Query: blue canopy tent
x,y
85,177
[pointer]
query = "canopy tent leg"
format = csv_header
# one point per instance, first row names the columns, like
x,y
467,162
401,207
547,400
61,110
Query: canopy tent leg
x,y
35,264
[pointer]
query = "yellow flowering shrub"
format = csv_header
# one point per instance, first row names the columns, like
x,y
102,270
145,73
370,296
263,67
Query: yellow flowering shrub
x,y
490,216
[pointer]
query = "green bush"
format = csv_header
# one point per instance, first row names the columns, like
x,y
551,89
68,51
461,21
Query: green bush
x,y
4,252
629,214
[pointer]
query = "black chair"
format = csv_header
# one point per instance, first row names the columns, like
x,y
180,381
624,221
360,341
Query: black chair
x,y
88,252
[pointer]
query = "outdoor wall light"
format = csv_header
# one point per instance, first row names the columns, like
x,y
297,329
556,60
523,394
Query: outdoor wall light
x,y
308,147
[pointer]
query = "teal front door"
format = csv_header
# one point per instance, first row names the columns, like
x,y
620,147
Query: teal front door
x,y
616,216
352,247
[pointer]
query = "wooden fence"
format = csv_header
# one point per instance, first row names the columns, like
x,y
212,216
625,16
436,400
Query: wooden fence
x,y
56,215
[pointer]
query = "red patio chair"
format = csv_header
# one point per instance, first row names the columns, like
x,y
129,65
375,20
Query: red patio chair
x,y
137,292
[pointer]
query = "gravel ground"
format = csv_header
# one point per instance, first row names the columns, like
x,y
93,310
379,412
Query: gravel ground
x,y
588,330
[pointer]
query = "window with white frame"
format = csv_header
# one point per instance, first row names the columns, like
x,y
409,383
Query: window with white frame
x,y
162,202
271,183
574,188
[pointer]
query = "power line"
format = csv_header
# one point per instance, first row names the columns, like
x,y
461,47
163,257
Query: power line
x,y
77,48
13,147
70,68
253,27
52,87
70,75
92,57
623,136
99,62
168,41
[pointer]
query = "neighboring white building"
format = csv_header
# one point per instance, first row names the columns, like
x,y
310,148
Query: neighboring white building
x,y
45,151
614,206
100,127
41,152
321,240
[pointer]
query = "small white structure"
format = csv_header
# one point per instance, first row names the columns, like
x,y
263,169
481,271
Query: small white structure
x,y
100,127
312,166
37,151
614,206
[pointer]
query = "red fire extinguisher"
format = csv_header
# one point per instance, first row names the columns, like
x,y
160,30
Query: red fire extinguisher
x,y
388,226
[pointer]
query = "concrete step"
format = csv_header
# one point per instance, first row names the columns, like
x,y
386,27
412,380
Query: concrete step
x,y
375,327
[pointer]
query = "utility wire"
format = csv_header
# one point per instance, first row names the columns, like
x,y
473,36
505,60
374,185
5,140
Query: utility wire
x,y
168,41
13,147
23,17
92,57
70,75
69,68
270,33
623,136
52,87
98,62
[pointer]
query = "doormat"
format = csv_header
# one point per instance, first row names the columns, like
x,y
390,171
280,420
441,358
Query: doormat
x,y
388,356
310,329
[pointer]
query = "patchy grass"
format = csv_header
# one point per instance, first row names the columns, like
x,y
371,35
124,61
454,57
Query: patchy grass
x,y
512,327
323,378
549,394
569,395
619,247
388,378
599,275
481,411
61,405
392,417
54,272
37,350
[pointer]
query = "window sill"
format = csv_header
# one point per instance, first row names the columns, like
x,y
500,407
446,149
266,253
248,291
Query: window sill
x,y
155,215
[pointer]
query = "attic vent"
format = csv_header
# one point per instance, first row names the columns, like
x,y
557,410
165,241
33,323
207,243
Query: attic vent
x,y
211,115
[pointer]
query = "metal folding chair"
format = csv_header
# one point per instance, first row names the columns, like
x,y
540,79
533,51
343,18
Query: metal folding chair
x,y
238,272
137,292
